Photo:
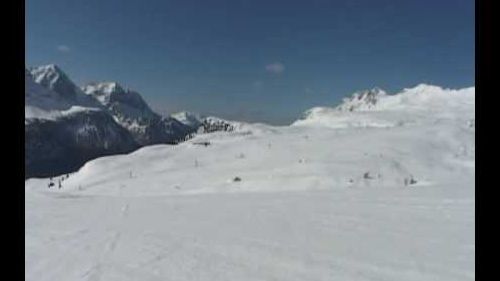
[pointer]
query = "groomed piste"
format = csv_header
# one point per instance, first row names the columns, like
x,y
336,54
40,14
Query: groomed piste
x,y
379,188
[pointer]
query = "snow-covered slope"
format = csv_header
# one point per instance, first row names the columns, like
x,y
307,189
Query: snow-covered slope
x,y
363,100
312,201
375,108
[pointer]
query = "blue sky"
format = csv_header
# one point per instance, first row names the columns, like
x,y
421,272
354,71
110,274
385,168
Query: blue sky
x,y
254,60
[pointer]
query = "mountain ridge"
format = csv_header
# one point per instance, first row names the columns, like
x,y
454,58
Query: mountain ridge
x,y
56,104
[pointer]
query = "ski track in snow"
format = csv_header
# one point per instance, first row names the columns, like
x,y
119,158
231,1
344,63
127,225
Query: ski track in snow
x,y
313,202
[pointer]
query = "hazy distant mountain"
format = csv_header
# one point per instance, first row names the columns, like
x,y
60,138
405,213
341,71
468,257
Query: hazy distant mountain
x,y
205,124
190,119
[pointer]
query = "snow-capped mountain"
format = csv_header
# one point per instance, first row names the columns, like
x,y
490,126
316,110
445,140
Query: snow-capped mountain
x,y
376,108
41,102
64,127
133,113
53,78
126,105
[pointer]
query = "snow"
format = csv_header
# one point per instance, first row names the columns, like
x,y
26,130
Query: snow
x,y
328,198
32,112
54,79
188,118
42,101
362,100
105,91
51,72
423,103
126,106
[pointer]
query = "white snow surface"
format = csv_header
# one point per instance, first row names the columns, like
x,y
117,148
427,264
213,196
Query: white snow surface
x,y
423,103
337,196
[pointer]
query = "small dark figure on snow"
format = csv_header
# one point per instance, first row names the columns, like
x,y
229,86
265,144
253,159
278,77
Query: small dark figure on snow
x,y
204,143
410,181
236,179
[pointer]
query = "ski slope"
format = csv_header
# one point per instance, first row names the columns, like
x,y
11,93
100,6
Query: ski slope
x,y
335,196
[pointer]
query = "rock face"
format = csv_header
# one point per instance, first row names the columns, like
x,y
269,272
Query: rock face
x,y
363,100
129,109
54,147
